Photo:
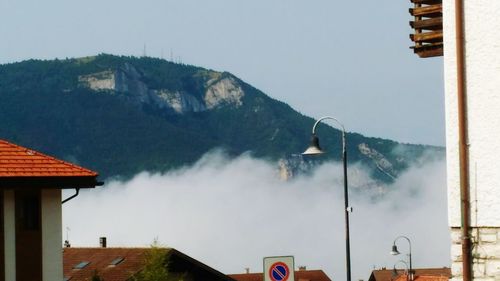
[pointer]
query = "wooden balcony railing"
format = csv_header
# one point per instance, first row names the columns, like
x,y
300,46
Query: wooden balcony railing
x,y
428,28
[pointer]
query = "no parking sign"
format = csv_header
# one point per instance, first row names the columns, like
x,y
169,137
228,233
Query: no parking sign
x,y
279,268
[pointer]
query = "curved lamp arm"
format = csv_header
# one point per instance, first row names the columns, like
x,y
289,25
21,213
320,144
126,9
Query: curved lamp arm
x,y
395,271
403,262
338,123
402,236
330,118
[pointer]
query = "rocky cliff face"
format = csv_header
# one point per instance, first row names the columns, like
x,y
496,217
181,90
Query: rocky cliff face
x,y
224,91
99,81
128,82
382,163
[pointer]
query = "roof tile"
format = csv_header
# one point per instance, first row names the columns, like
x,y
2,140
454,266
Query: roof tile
x,y
18,161
100,260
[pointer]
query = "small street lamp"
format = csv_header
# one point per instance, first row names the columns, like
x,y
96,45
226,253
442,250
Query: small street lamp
x,y
395,271
315,149
395,252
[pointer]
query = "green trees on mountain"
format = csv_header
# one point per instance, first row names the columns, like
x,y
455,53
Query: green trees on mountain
x,y
44,106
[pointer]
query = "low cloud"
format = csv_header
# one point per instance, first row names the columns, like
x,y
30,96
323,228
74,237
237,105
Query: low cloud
x,y
230,213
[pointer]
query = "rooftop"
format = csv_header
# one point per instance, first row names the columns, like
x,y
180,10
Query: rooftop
x,y
404,277
120,264
300,275
101,259
421,274
21,166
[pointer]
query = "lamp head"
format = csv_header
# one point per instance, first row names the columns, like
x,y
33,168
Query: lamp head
x,y
314,148
395,251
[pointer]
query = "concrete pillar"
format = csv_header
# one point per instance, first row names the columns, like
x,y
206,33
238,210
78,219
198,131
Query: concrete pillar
x,y
52,259
10,234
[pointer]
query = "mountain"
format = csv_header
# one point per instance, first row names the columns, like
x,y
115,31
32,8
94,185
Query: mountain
x,y
123,115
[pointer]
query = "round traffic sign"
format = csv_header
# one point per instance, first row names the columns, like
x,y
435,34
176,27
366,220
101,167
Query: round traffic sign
x,y
279,271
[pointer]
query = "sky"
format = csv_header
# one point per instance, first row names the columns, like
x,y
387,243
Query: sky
x,y
230,213
347,59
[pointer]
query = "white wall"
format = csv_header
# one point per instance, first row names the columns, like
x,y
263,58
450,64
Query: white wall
x,y
482,25
52,259
9,234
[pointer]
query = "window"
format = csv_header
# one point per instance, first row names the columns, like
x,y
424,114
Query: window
x,y
29,212
116,261
81,265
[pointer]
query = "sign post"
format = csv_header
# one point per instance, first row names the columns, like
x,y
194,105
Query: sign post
x,y
279,268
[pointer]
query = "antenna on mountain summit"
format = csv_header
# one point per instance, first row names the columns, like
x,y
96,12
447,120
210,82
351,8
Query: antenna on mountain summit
x,y
144,50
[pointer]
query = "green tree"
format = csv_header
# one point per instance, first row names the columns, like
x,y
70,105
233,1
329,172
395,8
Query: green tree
x,y
155,265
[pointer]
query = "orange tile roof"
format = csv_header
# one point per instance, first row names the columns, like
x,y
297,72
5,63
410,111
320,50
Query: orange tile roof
x,y
403,277
305,275
100,259
386,274
133,261
21,167
18,161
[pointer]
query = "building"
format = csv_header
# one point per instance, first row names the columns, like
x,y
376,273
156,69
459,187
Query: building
x,y
121,264
30,211
472,100
470,44
422,274
300,275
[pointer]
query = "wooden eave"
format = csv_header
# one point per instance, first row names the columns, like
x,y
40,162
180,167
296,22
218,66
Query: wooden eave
x,y
427,11
428,24
427,37
49,182
429,50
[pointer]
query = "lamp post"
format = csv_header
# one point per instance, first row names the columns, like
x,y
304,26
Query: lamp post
x,y
395,251
395,271
315,149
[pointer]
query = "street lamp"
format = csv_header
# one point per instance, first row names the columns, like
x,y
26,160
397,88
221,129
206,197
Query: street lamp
x,y
395,271
395,252
315,149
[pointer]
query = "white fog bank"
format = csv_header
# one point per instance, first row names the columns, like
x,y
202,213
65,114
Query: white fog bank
x,y
230,213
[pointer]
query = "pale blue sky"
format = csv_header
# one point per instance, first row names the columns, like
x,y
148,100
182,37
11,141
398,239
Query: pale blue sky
x,y
348,59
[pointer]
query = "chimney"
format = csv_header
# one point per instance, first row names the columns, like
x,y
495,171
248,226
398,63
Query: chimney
x,y
102,242
302,268
247,270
